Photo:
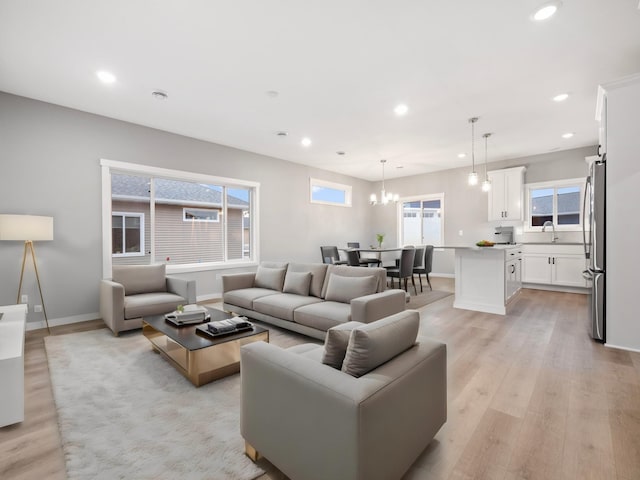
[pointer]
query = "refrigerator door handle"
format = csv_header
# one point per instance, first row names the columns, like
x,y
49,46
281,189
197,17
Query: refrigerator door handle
x,y
587,194
596,313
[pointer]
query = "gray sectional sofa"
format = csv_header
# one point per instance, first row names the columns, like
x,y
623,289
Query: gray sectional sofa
x,y
310,298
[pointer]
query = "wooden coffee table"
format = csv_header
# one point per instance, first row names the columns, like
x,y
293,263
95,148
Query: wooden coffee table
x,y
199,357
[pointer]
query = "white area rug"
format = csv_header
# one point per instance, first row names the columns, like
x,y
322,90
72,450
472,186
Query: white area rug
x,y
125,413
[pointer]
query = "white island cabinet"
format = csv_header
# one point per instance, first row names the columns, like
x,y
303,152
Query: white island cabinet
x,y
487,278
12,328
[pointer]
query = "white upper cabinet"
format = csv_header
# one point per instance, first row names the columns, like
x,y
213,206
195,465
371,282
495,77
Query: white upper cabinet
x,y
505,196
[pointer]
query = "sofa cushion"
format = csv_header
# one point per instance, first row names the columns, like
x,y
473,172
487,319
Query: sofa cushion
x,y
344,289
282,305
318,273
323,315
140,278
347,271
336,342
375,343
271,278
146,304
297,282
244,297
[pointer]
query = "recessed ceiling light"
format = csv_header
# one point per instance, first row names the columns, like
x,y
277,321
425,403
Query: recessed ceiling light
x,y
568,135
282,134
159,95
401,109
462,155
340,152
400,166
306,142
272,93
546,11
106,77
561,97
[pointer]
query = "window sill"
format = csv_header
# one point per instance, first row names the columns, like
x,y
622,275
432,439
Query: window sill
x,y
209,266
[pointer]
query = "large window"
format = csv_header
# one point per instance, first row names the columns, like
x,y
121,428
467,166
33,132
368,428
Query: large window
x,y
421,220
559,202
188,221
329,193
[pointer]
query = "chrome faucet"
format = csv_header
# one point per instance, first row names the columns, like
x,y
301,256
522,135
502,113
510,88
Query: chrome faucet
x,y
553,227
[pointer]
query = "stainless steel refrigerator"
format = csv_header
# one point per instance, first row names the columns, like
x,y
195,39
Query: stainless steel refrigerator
x,y
593,232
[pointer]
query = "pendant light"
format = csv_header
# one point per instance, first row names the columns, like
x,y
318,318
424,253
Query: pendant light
x,y
473,176
486,184
385,197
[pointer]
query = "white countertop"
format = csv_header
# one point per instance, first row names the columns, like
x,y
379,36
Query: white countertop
x,y
475,247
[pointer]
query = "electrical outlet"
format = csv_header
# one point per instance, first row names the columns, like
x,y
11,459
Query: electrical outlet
x,y
37,308
24,299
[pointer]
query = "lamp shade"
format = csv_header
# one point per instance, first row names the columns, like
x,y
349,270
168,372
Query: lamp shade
x,y
26,227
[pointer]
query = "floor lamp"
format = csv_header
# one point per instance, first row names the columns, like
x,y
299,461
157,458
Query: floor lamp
x,y
28,228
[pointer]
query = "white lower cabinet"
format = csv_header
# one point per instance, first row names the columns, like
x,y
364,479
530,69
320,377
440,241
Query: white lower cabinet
x,y
560,265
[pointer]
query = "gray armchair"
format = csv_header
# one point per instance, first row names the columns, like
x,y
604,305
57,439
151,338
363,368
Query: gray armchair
x,y
141,290
315,422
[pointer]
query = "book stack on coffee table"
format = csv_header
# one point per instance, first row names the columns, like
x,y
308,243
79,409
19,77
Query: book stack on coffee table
x,y
188,315
225,327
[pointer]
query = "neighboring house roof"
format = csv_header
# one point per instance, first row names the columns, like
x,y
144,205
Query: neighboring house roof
x,y
170,191
567,203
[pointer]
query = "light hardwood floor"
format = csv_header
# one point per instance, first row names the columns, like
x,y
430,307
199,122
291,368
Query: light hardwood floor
x,y
531,396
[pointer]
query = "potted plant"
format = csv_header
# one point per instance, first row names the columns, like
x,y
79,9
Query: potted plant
x,y
380,239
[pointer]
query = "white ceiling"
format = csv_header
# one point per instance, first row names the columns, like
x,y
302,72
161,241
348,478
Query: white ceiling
x,y
339,68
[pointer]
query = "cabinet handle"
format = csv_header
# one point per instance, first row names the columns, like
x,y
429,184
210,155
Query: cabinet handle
x,y
553,260
549,260
513,269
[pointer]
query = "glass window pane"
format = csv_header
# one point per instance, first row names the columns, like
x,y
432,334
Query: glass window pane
x,y
411,223
183,242
116,234
130,202
569,206
326,194
238,223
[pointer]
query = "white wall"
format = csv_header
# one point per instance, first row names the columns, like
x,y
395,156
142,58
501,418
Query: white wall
x,y
623,226
49,165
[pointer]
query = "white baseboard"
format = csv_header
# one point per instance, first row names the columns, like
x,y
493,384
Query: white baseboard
x,y
442,275
608,345
556,288
55,322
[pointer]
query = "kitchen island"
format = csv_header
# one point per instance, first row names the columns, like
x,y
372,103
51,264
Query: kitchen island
x,y
487,278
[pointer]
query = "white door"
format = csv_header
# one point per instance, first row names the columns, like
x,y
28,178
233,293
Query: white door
x,y
536,268
567,270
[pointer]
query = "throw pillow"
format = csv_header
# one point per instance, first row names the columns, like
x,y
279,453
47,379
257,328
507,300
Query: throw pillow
x,y
378,342
271,278
297,282
141,278
336,342
344,289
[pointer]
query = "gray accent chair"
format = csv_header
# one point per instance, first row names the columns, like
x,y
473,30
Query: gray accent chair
x,y
315,422
136,291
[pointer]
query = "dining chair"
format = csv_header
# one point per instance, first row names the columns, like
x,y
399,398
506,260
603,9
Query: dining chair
x,y
364,261
353,259
418,263
426,268
404,271
330,255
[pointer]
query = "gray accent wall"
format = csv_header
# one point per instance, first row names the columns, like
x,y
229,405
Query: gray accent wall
x,y
49,165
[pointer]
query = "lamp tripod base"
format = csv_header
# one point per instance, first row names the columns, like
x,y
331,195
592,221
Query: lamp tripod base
x,y
28,246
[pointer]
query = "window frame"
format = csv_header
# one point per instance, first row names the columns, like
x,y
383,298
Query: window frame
x,y
421,198
109,167
347,189
124,215
555,185
188,220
